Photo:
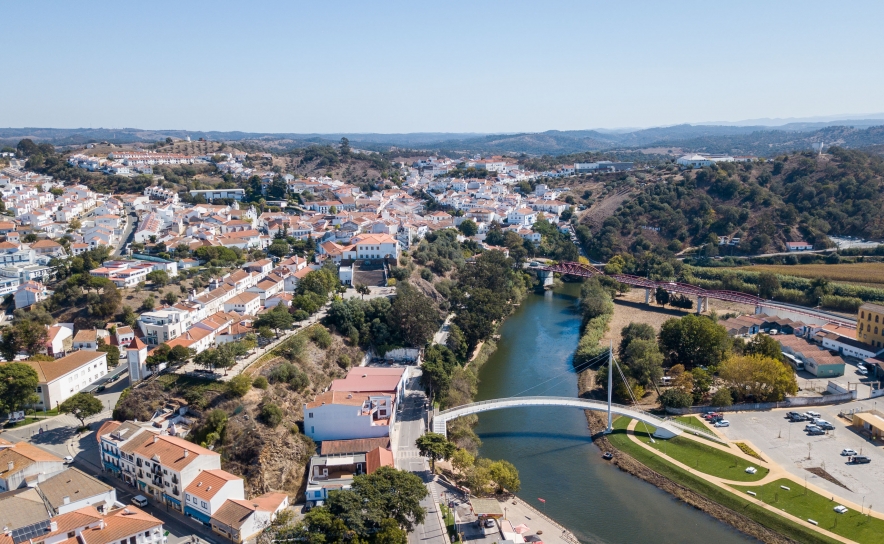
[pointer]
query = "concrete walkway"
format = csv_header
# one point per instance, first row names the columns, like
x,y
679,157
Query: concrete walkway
x,y
776,473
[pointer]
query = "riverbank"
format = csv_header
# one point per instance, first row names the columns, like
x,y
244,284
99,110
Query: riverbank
x,y
622,460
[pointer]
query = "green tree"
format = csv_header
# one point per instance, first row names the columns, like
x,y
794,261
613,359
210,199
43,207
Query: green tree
x,y
661,296
595,300
468,228
765,346
436,447
170,298
362,289
239,385
676,397
216,421
722,397
645,361
112,351
158,277
413,315
81,406
18,381
389,533
763,379
24,335
632,332
506,476
277,319
394,494
693,341
768,285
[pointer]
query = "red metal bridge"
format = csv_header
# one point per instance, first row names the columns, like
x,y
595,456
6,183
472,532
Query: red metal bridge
x,y
588,271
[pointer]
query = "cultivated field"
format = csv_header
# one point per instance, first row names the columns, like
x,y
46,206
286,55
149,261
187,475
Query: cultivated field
x,y
871,274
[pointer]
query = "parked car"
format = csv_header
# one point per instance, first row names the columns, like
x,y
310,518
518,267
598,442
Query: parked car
x,y
489,523
722,423
68,459
751,470
861,459
100,388
813,414
139,500
826,426
841,509
848,451
862,370
811,427
816,431
793,415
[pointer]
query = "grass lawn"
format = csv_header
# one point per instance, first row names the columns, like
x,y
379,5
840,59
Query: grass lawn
x,y
448,515
852,524
693,421
700,456
766,518
39,416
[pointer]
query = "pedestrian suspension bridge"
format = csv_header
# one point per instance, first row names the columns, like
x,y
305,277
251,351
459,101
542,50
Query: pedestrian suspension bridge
x,y
663,427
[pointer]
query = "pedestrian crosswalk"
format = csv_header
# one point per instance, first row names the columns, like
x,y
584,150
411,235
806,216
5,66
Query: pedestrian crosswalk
x,y
409,453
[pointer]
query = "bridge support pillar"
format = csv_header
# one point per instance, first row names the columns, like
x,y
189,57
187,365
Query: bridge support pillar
x,y
546,278
647,296
702,304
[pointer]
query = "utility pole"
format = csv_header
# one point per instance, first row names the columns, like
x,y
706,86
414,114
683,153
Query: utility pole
x,y
610,429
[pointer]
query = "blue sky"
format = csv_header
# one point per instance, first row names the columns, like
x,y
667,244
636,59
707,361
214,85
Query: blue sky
x,y
434,66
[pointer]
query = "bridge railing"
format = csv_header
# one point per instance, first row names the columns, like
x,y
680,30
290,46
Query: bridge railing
x,y
599,403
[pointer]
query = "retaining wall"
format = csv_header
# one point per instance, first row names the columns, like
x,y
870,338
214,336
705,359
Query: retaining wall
x,y
788,403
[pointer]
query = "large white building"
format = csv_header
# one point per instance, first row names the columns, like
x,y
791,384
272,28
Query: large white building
x,y
64,377
372,246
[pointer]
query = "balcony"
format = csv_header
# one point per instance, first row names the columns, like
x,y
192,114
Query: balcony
x,y
174,478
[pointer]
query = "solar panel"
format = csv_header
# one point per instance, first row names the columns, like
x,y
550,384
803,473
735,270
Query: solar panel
x,y
34,530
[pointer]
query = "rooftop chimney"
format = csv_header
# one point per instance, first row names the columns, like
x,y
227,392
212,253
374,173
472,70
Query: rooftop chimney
x,y
156,438
53,525
66,500
186,453
10,465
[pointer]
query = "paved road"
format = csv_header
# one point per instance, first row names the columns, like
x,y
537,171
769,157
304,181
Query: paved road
x,y
411,425
126,237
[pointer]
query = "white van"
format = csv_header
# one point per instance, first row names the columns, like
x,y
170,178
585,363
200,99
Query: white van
x,y
139,500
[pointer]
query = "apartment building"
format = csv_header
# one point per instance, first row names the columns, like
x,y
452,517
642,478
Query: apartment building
x,y
165,465
870,325
62,378
209,491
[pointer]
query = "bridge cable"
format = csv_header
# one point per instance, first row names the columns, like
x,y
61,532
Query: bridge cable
x,y
586,364
631,395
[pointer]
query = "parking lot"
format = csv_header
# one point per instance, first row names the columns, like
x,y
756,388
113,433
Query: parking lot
x,y
789,446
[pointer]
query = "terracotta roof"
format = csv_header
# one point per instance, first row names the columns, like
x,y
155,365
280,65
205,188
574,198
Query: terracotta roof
x,y
358,445
377,458
364,379
234,512
71,483
48,371
136,343
119,524
45,244
169,451
337,397
86,335
208,482
74,520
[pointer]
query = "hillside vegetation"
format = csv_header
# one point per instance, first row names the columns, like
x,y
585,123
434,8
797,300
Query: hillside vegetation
x,y
765,204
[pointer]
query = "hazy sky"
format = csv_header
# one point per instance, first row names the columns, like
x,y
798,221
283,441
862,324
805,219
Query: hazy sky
x,y
337,66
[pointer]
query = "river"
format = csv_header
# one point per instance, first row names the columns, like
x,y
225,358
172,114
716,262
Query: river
x,y
552,449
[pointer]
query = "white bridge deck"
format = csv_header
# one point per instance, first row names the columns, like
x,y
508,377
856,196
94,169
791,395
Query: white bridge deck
x,y
665,428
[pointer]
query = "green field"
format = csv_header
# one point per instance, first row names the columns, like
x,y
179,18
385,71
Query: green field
x,y
807,504
697,484
701,457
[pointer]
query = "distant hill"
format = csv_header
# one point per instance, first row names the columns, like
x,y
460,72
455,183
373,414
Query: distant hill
x,y
737,139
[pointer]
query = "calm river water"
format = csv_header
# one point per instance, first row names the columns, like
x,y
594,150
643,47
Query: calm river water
x,y
552,449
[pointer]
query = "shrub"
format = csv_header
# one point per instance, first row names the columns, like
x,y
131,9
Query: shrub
x,y
271,414
344,361
260,382
722,397
676,398
239,385
322,337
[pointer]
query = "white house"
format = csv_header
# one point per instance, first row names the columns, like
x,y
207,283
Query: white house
x,y
209,491
72,489
799,246
522,216
342,415
89,526
372,246
22,462
244,304
242,520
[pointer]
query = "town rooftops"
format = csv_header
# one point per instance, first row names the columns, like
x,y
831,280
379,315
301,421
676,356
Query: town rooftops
x,y
118,524
21,508
345,398
377,458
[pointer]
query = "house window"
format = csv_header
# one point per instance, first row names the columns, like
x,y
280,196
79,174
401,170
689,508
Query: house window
x,y
203,504
310,414
71,534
